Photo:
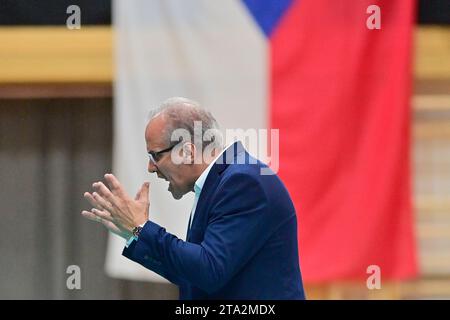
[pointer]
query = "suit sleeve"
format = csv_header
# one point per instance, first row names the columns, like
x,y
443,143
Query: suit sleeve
x,y
238,227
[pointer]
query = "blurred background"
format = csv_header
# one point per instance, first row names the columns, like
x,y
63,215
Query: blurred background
x,y
59,110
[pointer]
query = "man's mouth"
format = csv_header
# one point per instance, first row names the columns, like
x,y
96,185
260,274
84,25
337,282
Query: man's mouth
x,y
162,177
169,188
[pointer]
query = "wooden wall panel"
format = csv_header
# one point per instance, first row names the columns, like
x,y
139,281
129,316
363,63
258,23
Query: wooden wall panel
x,y
56,54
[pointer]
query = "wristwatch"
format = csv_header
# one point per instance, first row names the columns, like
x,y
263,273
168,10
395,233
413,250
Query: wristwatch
x,y
136,231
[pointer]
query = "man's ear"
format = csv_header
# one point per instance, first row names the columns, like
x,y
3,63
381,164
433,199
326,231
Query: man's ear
x,y
188,153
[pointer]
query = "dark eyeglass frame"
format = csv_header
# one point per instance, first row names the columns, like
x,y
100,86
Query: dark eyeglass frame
x,y
155,156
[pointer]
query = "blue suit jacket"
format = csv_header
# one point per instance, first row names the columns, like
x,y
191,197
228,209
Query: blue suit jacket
x,y
243,239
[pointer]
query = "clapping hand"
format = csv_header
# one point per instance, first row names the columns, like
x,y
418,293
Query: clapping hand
x,y
115,209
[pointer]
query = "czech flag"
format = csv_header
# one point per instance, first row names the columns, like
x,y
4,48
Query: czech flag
x,y
334,77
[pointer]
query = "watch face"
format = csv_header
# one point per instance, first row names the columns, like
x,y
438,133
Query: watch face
x,y
136,231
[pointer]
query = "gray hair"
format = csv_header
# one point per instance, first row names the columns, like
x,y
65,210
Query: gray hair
x,y
183,113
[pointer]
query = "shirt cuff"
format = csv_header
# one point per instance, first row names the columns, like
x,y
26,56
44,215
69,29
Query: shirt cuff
x,y
130,241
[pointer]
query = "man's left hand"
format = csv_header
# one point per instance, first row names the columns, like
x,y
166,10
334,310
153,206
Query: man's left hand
x,y
125,212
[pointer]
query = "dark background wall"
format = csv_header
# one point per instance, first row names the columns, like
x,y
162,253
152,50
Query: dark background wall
x,y
51,150
38,12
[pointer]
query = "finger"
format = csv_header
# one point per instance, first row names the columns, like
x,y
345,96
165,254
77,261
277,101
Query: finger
x,y
97,215
103,191
108,224
138,194
111,226
145,191
102,214
89,215
115,185
92,201
102,203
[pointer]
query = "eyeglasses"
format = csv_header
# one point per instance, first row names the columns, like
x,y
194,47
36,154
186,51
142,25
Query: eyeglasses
x,y
155,156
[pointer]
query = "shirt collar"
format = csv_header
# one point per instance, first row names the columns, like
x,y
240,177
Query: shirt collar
x,y
198,186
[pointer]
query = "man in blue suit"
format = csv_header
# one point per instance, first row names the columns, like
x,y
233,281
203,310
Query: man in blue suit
x,y
242,234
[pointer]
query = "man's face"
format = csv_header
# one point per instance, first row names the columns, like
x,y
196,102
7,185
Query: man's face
x,y
178,175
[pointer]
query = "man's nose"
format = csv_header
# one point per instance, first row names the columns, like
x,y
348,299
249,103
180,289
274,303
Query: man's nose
x,y
151,167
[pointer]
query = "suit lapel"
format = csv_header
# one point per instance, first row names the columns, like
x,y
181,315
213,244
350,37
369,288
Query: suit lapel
x,y
228,157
